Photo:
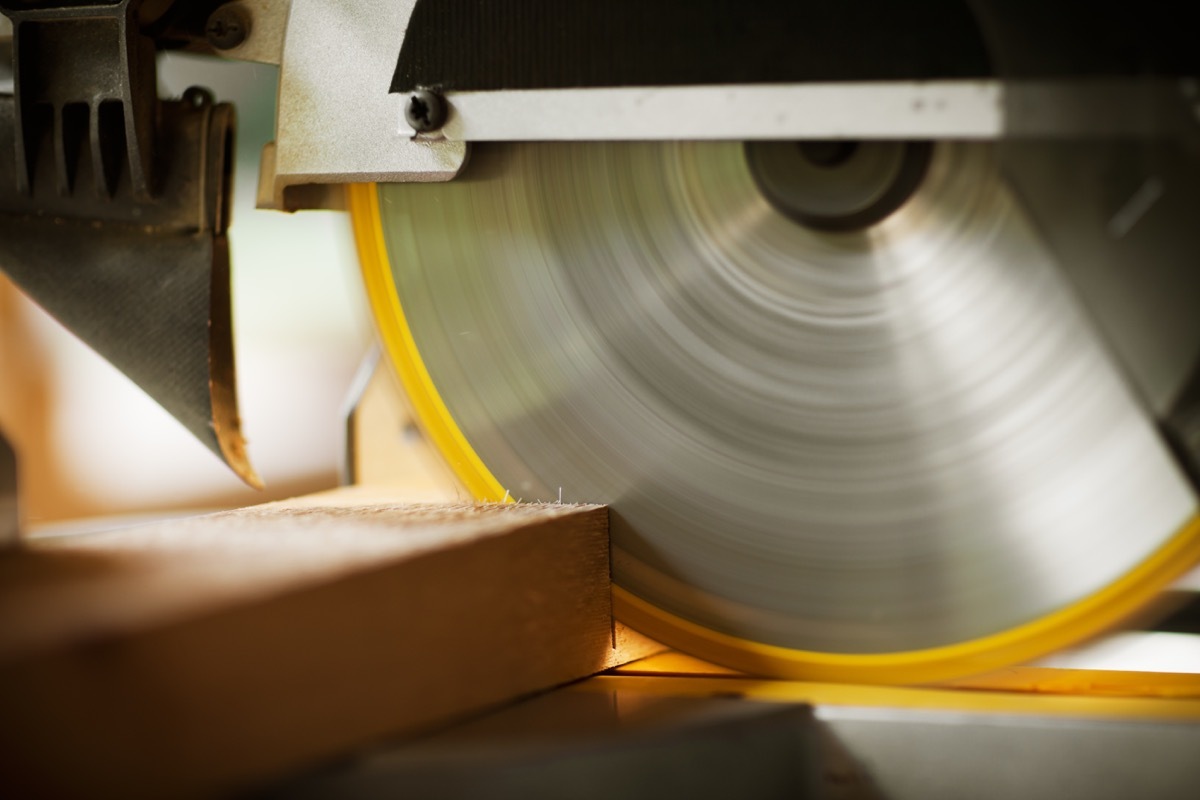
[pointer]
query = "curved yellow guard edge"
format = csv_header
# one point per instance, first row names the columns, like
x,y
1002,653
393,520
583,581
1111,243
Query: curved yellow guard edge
x,y
1067,626
432,414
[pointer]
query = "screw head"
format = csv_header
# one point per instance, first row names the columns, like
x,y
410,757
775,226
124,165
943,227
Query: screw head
x,y
227,27
198,97
425,111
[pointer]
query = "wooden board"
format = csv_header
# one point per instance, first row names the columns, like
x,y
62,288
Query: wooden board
x,y
200,656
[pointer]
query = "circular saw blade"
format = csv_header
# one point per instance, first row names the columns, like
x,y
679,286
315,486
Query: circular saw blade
x,y
892,454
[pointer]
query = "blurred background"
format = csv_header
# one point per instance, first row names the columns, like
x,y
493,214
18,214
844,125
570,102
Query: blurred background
x,y
92,444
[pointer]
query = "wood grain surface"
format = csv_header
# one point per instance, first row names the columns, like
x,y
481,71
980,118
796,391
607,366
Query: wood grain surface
x,y
199,656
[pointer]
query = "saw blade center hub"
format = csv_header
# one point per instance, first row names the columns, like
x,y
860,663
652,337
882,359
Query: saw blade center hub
x,y
838,184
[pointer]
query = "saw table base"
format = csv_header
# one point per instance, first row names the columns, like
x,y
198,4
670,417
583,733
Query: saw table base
x,y
644,738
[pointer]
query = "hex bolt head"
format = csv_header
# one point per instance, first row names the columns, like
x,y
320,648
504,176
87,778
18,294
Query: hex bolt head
x,y
227,27
425,111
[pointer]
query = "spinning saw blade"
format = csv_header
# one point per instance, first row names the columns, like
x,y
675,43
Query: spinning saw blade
x,y
850,419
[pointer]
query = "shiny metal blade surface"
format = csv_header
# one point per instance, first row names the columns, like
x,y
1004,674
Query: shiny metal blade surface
x,y
866,442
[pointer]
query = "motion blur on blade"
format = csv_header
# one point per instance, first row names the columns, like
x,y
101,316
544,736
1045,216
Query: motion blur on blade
x,y
864,407
875,324
894,438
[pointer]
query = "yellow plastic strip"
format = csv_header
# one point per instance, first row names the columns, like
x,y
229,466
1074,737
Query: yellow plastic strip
x,y
833,694
1026,680
1082,620
1092,682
